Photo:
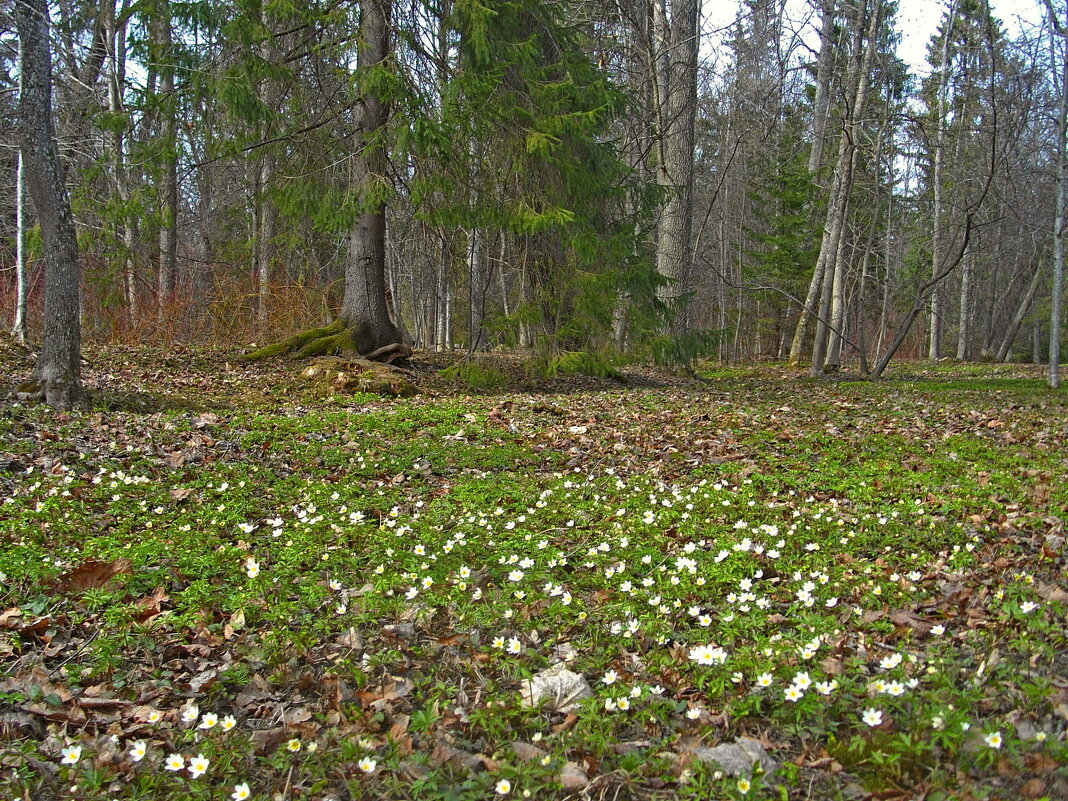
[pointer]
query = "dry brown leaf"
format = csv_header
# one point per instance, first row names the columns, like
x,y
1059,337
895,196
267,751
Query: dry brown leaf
x,y
351,639
1051,592
9,618
444,754
267,740
566,724
573,776
525,752
832,666
72,714
151,605
903,617
92,574
234,624
1033,788
295,715
872,615
257,689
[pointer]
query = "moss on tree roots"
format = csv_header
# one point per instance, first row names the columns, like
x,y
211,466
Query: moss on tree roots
x,y
336,339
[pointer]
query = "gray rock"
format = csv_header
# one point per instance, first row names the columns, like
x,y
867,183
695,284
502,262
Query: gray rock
x,y
739,758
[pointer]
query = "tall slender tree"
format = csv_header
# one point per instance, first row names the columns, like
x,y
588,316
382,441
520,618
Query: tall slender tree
x,y
675,40
58,370
1060,28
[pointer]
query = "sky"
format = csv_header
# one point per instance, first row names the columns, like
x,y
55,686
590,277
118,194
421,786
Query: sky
x,y
916,20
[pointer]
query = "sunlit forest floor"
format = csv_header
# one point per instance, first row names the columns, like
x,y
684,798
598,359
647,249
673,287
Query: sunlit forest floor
x,y
219,583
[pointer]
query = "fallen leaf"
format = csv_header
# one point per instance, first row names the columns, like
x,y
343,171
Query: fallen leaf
x,y
444,754
573,776
525,752
903,617
1051,592
92,574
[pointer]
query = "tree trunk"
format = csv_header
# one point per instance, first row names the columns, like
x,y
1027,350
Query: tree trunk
x,y
262,239
168,185
822,102
441,294
1054,378
1017,319
477,289
838,311
820,113
126,221
832,245
801,330
502,279
964,331
934,345
364,309
18,328
58,368
675,77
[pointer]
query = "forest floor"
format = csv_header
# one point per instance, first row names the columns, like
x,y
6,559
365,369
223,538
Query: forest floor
x,y
217,584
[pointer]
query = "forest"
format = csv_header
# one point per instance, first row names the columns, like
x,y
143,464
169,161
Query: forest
x,y
612,179
577,400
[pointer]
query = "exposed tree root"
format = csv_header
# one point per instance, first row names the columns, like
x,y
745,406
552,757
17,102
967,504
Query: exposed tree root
x,y
336,339
389,353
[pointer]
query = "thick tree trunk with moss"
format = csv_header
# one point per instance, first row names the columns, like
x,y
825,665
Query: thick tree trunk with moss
x,y
364,326
58,371
364,309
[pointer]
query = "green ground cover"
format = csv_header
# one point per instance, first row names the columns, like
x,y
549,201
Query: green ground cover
x,y
217,585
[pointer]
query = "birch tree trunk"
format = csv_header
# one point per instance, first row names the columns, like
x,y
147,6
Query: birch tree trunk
x,y
965,329
58,369
262,238
441,303
476,276
116,79
1061,161
821,104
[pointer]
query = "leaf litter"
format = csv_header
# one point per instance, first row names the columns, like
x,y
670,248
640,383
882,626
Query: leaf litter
x,y
132,612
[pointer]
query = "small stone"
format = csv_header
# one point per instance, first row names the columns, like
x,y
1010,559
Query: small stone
x,y
739,758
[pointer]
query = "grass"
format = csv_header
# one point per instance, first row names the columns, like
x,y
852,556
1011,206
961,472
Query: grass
x,y
867,578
